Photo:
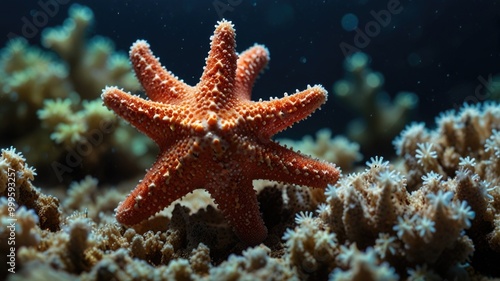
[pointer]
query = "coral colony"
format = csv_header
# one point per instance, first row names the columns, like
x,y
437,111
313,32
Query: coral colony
x,y
56,103
432,213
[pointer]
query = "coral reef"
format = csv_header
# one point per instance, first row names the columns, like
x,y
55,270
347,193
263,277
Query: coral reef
x,y
88,242
492,88
432,214
93,64
461,155
374,211
28,76
338,150
52,101
14,169
381,119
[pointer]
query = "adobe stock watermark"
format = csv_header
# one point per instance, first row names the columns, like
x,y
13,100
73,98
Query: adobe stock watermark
x,y
363,37
11,220
75,155
222,7
39,18
483,91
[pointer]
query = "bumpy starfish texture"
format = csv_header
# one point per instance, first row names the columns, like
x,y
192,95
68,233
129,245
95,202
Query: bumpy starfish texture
x,y
213,136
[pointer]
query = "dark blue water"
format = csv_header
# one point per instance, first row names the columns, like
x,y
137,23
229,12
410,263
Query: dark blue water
x,y
441,51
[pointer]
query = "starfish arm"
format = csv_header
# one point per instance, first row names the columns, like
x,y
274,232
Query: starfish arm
x,y
276,115
238,203
164,183
159,84
250,63
155,120
217,82
285,165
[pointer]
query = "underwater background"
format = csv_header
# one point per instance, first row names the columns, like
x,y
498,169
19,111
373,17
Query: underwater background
x,y
441,51
412,120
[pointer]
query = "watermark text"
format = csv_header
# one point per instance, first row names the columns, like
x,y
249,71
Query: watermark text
x,y
222,7
75,155
11,220
39,18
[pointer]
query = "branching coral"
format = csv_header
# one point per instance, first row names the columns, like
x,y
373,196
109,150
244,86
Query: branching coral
x,y
24,193
424,218
17,229
93,249
381,119
338,150
461,155
94,65
311,248
362,266
421,227
372,228
83,137
28,76
53,107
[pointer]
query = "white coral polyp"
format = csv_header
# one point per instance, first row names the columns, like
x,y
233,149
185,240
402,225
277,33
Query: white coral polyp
x,y
493,143
425,228
431,179
441,198
463,214
377,162
425,154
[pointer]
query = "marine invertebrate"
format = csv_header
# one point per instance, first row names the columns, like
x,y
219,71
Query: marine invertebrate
x,y
424,214
255,263
310,247
19,226
50,99
93,64
212,136
46,207
381,223
363,265
396,228
460,155
338,150
28,76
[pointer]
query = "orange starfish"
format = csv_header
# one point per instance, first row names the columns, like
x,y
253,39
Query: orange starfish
x,y
213,136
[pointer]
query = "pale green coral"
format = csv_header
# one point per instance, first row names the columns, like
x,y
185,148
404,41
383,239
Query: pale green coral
x,y
24,230
70,36
28,76
55,112
338,150
54,106
68,134
13,162
92,65
381,119
95,113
